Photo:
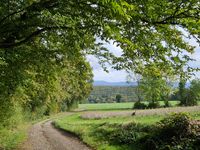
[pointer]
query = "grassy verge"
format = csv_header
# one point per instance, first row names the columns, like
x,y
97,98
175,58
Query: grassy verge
x,y
10,138
96,132
115,106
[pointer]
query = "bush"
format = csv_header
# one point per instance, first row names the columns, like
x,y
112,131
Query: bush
x,y
153,105
139,105
175,126
129,133
167,104
175,132
172,133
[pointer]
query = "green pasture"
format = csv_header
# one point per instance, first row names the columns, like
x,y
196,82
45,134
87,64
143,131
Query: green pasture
x,y
106,106
92,131
115,106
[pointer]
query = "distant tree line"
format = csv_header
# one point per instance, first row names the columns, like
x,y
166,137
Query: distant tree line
x,y
112,94
150,90
157,89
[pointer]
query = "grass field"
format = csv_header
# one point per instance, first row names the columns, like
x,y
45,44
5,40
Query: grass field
x,y
94,131
106,106
114,106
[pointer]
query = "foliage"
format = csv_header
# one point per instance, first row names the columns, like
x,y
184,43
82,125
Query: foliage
x,y
135,77
152,105
155,30
182,91
50,30
189,96
175,125
43,46
155,88
173,132
118,98
9,139
129,133
41,85
107,94
138,132
139,105
167,103
194,92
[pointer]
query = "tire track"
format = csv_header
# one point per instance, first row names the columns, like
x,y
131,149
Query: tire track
x,y
44,136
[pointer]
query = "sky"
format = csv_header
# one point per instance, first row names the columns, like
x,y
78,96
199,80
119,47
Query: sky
x,y
113,75
121,76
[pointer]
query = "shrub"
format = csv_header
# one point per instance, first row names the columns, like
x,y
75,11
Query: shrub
x,y
172,133
153,105
129,133
175,126
139,105
167,104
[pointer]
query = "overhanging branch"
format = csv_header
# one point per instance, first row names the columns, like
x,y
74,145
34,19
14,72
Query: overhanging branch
x,y
34,34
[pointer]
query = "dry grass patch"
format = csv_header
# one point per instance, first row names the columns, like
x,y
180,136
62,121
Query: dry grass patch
x,y
146,112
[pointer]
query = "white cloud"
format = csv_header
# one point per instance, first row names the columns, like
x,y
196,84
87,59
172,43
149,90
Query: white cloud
x,y
113,75
118,76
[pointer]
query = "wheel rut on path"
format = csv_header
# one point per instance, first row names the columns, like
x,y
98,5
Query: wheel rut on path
x,y
44,136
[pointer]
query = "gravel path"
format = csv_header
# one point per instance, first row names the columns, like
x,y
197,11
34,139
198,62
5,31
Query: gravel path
x,y
43,136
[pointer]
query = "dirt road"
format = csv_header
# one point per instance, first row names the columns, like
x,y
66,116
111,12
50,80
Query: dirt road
x,y
43,136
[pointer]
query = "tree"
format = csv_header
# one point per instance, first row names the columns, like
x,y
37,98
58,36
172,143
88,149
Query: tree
x,y
118,98
182,91
193,93
128,23
42,83
154,84
132,77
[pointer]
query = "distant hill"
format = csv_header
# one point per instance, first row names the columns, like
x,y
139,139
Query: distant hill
x,y
104,83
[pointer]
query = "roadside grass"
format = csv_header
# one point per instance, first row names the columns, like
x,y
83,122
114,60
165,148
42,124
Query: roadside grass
x,y
13,137
10,138
95,132
116,106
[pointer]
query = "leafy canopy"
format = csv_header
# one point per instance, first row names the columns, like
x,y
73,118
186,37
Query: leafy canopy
x,y
147,31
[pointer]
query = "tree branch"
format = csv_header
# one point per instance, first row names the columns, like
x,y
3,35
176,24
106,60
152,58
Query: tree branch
x,y
34,34
6,17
